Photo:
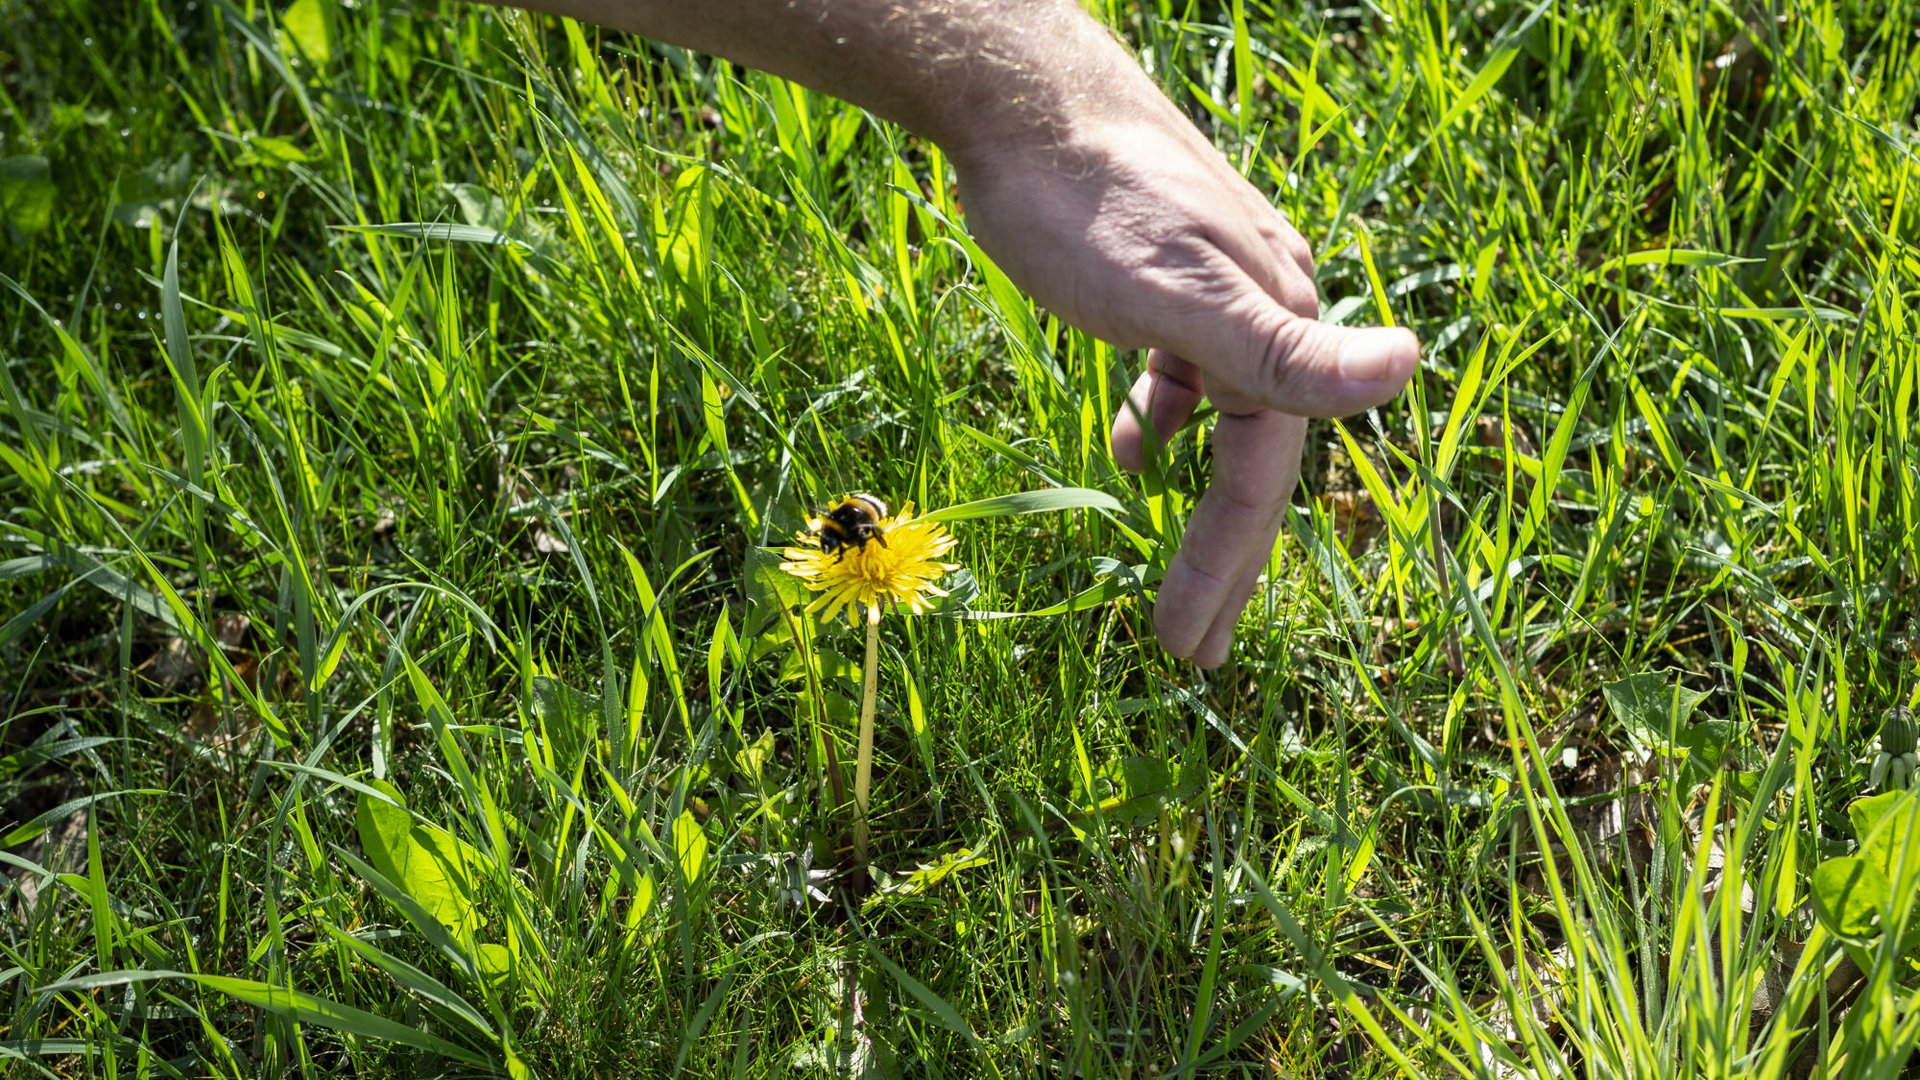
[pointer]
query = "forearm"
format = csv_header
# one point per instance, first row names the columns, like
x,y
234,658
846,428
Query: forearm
x,y
959,72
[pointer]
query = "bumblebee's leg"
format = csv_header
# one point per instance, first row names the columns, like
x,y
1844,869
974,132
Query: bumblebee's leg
x,y
880,536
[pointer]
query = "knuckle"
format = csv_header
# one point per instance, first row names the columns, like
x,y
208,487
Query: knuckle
x,y
1254,517
1299,296
1302,255
1238,505
1207,567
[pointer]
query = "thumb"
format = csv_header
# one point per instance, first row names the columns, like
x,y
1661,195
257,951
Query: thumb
x,y
1295,364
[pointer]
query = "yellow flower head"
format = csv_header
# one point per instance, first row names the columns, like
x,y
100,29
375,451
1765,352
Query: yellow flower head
x,y
898,566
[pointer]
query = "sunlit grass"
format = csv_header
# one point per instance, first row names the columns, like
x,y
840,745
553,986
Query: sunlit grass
x,y
402,414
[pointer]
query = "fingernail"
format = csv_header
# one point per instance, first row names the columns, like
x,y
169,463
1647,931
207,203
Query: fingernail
x,y
1377,355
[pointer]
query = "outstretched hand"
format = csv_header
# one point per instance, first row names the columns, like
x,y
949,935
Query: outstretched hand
x,y
1098,197
1132,227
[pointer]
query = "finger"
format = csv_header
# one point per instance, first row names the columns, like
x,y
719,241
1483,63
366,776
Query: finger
x,y
1283,267
1256,343
1218,641
1165,395
1256,459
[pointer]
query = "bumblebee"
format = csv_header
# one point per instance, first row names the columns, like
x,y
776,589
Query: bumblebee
x,y
851,522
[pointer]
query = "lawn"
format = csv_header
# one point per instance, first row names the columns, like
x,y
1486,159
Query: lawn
x,y
404,407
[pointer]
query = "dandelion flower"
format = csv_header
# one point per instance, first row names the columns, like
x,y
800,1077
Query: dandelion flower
x,y
897,562
898,568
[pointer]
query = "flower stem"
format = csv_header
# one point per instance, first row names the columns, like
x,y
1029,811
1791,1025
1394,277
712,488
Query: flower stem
x,y
863,764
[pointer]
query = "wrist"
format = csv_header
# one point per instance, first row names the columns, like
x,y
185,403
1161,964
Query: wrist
x,y
1048,82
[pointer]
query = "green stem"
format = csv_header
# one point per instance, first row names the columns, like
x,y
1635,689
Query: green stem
x,y
863,764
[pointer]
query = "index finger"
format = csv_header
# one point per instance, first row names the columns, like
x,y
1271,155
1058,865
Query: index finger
x,y
1256,462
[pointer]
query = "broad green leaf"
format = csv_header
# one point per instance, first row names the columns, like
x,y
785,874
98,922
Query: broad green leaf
x,y
1656,711
1650,707
683,232
1888,825
1859,895
305,24
1132,790
770,590
554,702
1848,896
276,152
425,862
458,953
1866,813
26,193
495,963
690,846
637,909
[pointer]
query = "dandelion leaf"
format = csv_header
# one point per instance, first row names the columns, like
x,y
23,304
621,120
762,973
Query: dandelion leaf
x,y
1849,894
426,862
1657,712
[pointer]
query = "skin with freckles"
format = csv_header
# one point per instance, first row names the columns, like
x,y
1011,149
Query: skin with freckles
x,y
1092,191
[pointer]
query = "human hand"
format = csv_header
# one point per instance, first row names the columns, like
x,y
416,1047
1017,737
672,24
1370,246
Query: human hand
x,y
1098,197
1123,220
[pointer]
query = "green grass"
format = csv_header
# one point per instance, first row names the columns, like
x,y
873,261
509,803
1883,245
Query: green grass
x,y
399,399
